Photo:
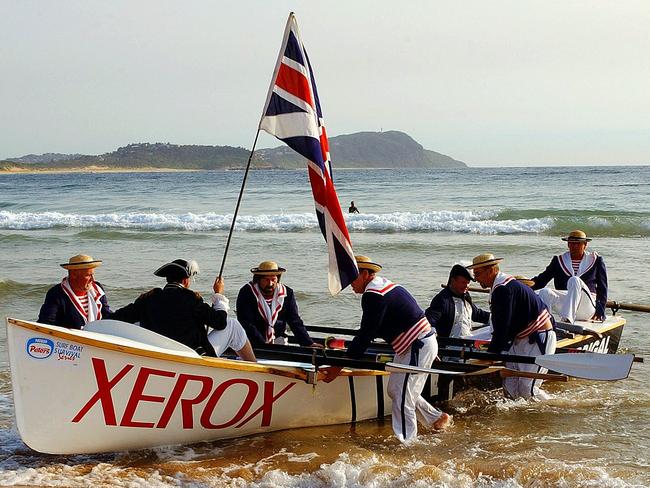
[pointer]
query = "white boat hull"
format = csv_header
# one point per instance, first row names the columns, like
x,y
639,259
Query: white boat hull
x,y
83,392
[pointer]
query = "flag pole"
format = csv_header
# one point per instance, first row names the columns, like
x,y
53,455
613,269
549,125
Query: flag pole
x,y
250,157
241,194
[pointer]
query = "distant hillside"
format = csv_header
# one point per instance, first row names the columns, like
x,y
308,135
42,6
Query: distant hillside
x,y
43,158
158,155
391,149
361,150
164,155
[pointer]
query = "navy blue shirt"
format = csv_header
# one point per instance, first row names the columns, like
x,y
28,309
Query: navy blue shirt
x,y
255,325
514,306
59,310
385,314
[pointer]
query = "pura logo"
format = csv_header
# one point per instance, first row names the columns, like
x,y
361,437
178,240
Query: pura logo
x,y
40,348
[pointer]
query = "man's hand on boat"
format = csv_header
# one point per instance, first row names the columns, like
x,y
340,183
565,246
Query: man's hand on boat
x,y
329,373
316,345
218,285
597,318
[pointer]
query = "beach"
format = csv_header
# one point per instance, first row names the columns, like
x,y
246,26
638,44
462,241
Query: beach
x,y
417,224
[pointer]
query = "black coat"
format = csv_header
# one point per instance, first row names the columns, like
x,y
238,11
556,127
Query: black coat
x,y
175,312
442,310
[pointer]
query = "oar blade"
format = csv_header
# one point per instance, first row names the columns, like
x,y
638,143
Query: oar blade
x,y
407,368
591,365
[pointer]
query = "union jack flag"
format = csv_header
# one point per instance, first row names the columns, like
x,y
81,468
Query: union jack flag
x,y
292,113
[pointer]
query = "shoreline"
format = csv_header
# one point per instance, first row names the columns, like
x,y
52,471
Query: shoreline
x,y
96,169
152,169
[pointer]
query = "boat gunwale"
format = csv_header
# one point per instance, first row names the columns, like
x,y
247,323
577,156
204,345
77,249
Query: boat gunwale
x,y
219,363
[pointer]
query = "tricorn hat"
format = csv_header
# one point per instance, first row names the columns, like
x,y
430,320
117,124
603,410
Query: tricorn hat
x,y
268,268
576,236
364,262
460,270
179,268
81,261
483,260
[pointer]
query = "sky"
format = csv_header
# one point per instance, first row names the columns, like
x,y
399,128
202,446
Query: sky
x,y
490,83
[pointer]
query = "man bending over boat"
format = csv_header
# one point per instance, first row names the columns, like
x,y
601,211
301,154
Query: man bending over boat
x,y
580,280
179,313
78,299
265,307
391,312
522,324
451,311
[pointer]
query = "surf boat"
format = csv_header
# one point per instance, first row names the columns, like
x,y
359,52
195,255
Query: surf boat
x,y
114,386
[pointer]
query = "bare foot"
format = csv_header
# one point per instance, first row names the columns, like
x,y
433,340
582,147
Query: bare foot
x,y
443,421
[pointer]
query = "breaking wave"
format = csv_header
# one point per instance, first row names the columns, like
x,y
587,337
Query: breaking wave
x,y
480,222
487,222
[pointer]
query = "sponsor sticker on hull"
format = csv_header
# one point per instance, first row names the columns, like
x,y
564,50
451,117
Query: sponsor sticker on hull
x,y
40,347
65,351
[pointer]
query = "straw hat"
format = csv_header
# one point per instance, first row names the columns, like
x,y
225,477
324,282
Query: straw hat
x,y
524,280
576,236
483,260
364,262
81,261
268,268
179,268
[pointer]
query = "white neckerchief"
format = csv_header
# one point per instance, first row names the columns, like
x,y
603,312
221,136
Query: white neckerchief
x,y
269,313
95,293
380,285
588,260
500,279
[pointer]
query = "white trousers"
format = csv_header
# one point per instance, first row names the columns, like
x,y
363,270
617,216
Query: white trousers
x,y
404,390
515,387
233,336
574,303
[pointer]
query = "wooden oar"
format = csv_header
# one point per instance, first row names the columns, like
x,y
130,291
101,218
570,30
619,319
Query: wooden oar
x,y
380,355
613,304
443,341
507,372
321,360
586,365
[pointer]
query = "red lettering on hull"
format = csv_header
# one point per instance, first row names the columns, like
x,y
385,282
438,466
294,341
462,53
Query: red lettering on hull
x,y
201,405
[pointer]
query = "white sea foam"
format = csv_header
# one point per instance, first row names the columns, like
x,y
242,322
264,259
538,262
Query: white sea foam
x,y
478,222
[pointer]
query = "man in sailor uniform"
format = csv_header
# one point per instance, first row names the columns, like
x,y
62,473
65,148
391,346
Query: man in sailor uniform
x,y
580,280
522,324
78,299
265,307
179,313
391,312
451,311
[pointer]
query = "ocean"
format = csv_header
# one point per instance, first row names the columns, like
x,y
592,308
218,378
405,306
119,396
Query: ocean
x,y
417,223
